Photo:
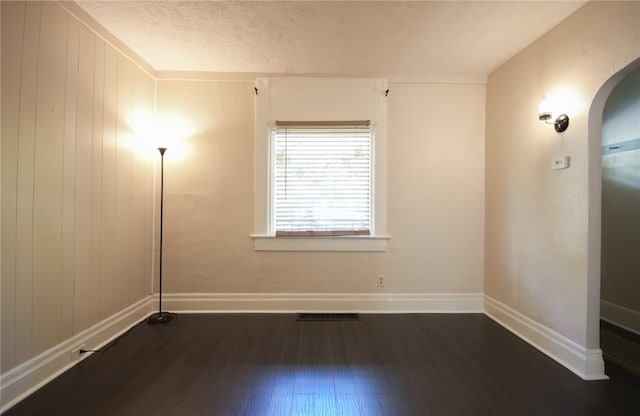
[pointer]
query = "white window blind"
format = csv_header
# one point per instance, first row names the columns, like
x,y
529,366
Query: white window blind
x,y
322,178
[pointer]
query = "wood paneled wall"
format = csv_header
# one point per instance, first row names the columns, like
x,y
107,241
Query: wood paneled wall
x,y
77,214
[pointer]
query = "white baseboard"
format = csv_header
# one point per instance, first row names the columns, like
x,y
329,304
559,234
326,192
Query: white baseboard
x,y
586,363
25,379
324,302
620,316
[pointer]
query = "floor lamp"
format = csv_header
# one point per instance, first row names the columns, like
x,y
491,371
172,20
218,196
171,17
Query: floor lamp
x,y
161,317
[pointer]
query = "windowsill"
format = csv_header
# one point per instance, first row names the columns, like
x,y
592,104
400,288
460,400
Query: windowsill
x,y
342,243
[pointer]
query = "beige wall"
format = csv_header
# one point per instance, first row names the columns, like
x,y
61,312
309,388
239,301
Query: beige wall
x,y
76,201
435,196
537,220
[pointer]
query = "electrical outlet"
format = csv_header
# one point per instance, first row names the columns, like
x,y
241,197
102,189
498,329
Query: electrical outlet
x,y
380,280
75,353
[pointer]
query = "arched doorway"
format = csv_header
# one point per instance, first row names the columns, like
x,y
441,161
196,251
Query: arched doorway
x,y
595,204
620,270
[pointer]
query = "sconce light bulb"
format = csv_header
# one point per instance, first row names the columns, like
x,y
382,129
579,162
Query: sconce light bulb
x,y
561,123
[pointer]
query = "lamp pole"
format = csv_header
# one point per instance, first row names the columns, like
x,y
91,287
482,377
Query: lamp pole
x,y
161,317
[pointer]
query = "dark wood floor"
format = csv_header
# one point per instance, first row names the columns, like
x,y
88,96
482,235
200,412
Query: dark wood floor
x,y
415,364
620,346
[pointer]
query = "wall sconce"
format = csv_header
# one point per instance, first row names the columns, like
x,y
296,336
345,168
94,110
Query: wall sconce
x,y
561,101
561,123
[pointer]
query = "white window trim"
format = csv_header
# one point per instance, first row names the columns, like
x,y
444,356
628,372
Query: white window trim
x,y
263,236
344,243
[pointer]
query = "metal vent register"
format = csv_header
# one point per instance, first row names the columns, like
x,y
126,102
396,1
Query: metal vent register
x,y
328,317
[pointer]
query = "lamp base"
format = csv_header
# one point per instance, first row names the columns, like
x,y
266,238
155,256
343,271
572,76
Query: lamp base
x,y
161,318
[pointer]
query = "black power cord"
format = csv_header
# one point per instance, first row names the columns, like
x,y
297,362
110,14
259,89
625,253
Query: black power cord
x,y
112,342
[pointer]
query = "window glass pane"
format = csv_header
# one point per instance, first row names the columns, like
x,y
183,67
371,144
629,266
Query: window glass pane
x,y
322,180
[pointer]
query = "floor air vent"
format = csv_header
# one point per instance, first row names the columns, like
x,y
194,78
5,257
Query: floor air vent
x,y
328,317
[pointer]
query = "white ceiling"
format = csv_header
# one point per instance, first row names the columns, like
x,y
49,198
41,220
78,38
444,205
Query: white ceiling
x,y
329,37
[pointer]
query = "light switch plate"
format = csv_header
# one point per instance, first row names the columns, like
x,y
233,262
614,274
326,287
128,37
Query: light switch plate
x,y
560,163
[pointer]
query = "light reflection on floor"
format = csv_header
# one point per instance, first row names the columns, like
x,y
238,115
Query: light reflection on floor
x,y
315,390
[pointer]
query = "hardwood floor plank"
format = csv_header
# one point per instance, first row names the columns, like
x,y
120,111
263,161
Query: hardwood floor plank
x,y
324,403
347,405
281,404
369,404
302,404
343,380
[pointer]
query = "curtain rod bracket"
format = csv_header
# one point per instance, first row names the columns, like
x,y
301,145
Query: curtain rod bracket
x,y
256,88
386,93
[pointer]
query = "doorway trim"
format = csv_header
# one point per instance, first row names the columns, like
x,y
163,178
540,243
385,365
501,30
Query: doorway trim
x,y
594,227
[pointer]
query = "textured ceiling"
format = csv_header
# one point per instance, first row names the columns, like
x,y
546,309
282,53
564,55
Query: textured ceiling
x,y
329,37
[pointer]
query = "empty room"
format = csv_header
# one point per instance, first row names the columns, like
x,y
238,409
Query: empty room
x,y
320,208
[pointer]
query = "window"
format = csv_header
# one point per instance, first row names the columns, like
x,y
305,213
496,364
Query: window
x,y
320,186
321,182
